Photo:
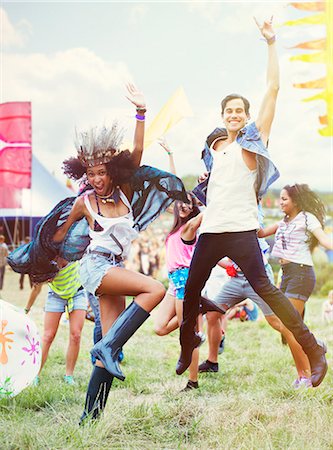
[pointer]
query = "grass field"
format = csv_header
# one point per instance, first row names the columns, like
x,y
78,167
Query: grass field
x,y
249,404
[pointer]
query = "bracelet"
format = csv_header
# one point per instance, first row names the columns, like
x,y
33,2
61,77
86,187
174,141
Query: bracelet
x,y
26,310
271,40
169,153
140,118
141,110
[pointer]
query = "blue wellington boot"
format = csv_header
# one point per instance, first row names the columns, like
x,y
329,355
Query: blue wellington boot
x,y
107,350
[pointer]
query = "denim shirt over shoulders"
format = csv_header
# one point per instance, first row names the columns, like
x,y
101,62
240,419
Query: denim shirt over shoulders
x,y
249,139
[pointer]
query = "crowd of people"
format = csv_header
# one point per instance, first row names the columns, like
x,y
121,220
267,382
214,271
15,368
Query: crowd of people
x,y
217,226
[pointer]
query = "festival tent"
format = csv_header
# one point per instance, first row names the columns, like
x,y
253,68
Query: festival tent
x,y
46,191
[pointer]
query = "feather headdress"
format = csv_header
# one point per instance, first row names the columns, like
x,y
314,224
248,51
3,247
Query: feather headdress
x,y
98,145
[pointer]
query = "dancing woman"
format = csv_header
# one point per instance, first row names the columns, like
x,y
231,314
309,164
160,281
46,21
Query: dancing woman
x,y
296,236
122,200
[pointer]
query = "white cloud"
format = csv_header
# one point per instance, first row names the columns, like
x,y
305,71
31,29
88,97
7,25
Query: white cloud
x,y
13,36
67,89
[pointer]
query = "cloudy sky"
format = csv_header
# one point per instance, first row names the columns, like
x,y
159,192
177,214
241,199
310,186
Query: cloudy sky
x,y
72,59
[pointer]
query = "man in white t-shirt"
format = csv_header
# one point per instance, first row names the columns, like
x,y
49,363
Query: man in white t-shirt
x,y
241,171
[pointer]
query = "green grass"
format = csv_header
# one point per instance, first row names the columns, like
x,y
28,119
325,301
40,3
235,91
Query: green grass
x,y
249,404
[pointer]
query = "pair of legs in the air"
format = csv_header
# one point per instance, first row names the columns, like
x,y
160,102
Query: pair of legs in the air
x,y
242,248
118,326
228,297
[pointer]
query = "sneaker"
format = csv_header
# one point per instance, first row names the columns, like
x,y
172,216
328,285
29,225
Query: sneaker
x,y
221,346
302,383
202,337
36,381
208,366
190,386
68,379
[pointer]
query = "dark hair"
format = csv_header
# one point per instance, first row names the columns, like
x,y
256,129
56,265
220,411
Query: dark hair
x,y
232,97
307,201
120,168
179,221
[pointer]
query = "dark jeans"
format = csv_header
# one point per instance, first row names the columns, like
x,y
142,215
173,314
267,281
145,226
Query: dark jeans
x,y
243,248
298,281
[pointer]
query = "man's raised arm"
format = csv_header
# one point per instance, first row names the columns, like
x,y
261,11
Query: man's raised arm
x,y
267,108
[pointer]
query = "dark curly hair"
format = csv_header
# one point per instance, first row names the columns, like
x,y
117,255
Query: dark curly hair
x,y
120,168
179,221
307,201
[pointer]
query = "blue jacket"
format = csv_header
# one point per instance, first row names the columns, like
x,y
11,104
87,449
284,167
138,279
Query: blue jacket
x,y
249,139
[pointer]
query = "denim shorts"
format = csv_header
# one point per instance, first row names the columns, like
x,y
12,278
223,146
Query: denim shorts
x,y
298,281
54,303
178,279
238,289
93,267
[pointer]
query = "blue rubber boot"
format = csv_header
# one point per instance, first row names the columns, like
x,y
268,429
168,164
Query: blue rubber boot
x,y
97,394
107,350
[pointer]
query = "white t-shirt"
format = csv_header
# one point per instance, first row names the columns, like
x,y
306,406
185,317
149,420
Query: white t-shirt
x,y
291,239
231,198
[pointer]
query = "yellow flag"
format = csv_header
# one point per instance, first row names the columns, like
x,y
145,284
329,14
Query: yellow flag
x,y
317,19
327,131
175,109
323,95
319,57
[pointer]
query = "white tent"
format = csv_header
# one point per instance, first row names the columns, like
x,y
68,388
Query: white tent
x,y
46,191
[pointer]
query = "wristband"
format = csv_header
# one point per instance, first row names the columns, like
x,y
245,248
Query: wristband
x,y
169,153
26,310
271,40
141,110
140,118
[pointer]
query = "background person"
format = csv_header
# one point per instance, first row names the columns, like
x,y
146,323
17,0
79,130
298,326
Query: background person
x,y
3,259
65,293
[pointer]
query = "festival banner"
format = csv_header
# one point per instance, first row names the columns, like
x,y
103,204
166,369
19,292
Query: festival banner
x,y
15,149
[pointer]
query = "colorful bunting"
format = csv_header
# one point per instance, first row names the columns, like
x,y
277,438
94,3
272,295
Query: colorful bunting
x,y
309,6
325,56
318,44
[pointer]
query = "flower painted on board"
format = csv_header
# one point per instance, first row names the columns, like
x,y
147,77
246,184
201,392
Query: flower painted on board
x,y
33,347
4,340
